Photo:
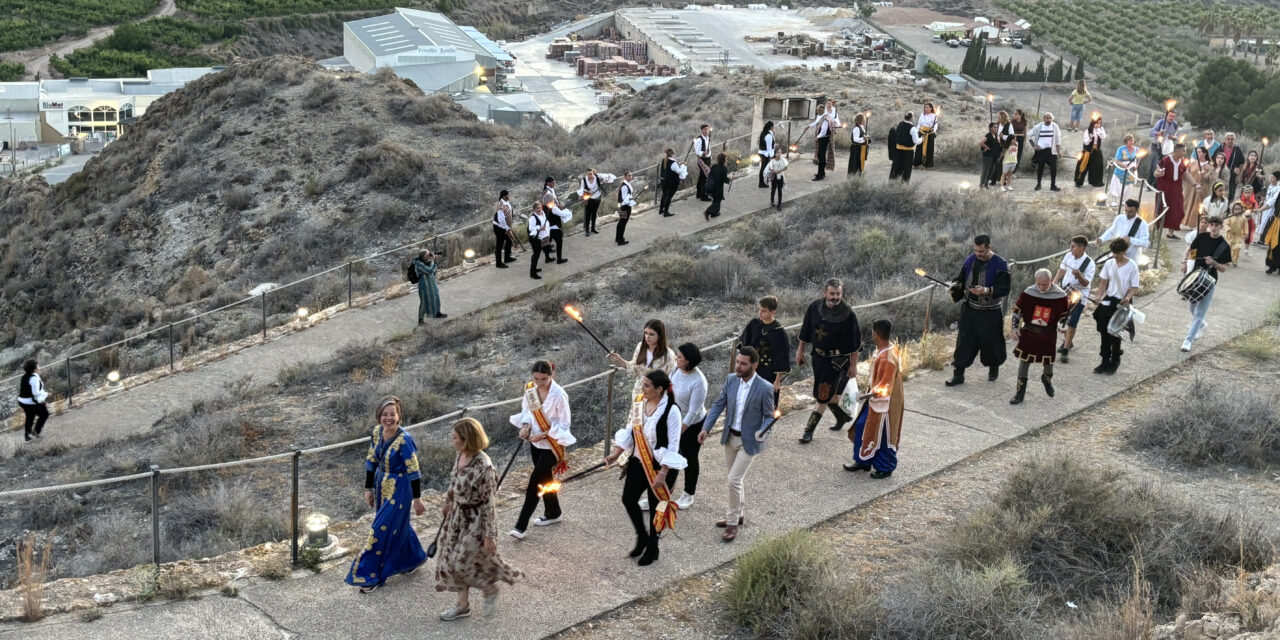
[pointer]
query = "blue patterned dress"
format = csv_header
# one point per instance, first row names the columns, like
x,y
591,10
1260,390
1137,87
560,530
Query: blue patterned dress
x,y
393,545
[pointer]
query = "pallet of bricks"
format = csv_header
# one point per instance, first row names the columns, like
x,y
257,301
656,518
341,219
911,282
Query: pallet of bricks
x,y
589,67
558,48
633,50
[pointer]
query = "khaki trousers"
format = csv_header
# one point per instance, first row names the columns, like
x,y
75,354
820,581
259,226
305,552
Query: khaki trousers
x,y
737,461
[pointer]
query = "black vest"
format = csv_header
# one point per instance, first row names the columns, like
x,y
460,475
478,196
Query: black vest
x,y
24,387
902,134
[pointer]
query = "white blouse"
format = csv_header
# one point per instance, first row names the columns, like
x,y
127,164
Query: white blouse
x,y
767,151
668,456
1098,131
556,409
858,136
690,390
928,120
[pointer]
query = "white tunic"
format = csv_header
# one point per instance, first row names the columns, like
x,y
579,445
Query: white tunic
x,y
928,120
1120,229
668,456
626,195
556,409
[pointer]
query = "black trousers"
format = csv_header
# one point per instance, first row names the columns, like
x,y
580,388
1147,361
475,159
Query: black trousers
x,y
702,178
714,209
778,183
981,333
689,448
557,236
624,213
501,246
668,192
764,162
36,414
857,157
1022,144
823,143
902,165
589,221
1045,157
544,460
1109,348
544,251
636,485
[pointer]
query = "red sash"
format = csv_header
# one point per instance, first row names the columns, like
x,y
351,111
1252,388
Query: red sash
x,y
664,514
535,407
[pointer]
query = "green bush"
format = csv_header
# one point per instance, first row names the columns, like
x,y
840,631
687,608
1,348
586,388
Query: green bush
x,y
11,71
133,49
1212,423
789,587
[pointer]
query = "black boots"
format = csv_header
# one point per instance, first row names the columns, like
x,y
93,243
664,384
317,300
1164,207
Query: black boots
x,y
1104,367
1064,355
1021,392
642,542
993,373
957,378
842,418
808,429
1048,384
650,552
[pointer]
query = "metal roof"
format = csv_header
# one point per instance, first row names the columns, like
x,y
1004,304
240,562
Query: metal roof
x,y
434,77
407,29
388,35
492,47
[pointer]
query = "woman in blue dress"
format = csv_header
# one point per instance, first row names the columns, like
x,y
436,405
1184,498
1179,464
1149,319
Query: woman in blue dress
x,y
392,483
428,292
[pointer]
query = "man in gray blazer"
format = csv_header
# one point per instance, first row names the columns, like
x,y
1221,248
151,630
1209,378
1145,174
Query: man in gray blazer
x,y
746,400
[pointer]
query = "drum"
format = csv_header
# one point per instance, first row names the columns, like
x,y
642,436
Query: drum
x,y
1195,285
1166,147
1120,320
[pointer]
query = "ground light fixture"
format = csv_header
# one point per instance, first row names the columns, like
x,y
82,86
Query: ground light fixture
x,y
469,257
1100,199
303,312
317,530
964,185
113,378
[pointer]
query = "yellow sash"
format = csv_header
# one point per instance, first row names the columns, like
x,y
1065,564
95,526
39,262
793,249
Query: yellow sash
x,y
535,407
1083,166
664,515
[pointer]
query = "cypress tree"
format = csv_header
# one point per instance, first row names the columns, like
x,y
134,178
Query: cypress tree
x,y
1079,69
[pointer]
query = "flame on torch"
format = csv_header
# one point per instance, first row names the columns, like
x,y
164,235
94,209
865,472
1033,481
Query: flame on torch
x,y
1075,297
794,147
550,487
1079,155
573,313
921,272
1265,142
777,413
1095,115
1142,153
1169,105
880,391
1182,138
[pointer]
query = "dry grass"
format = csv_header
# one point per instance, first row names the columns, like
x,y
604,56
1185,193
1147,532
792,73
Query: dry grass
x,y
1259,345
33,568
991,602
273,566
1212,423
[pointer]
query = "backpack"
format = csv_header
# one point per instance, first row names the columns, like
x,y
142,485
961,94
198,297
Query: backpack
x,y
412,274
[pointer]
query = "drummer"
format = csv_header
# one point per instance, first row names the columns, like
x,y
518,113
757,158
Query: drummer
x,y
1117,285
1212,253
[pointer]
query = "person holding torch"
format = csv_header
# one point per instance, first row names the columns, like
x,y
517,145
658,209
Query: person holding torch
x,y
878,427
544,421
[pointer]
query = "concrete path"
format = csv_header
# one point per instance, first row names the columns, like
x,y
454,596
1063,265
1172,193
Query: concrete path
x,y
136,410
578,569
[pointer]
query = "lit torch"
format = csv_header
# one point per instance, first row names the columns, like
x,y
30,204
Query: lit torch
x,y
1096,115
1262,157
577,317
924,274
880,391
1169,105
550,487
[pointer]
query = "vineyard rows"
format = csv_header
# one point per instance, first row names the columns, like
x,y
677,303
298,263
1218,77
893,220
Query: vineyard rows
x,y
1149,47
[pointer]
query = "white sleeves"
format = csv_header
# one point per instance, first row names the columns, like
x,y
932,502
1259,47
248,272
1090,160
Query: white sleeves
x,y
669,456
606,178
697,401
858,136
40,395
1143,239
915,135
524,417
622,438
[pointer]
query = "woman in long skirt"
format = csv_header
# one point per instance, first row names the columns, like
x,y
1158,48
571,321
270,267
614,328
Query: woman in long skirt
x,y
428,293
1090,163
928,126
1125,176
469,535
392,486
1193,188
858,145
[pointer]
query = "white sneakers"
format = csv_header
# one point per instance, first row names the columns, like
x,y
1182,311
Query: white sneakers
x,y
1186,345
542,522
517,534
684,501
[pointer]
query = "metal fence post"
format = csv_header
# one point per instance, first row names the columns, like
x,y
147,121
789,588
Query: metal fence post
x,y
608,415
155,514
928,311
70,385
264,315
171,346
293,505
348,284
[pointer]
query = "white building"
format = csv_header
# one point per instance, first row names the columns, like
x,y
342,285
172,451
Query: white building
x,y
51,110
424,47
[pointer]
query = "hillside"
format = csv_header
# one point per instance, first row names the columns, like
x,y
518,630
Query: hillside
x,y
264,172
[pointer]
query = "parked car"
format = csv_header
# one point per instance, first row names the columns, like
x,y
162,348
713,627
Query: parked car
x,y
937,39
964,42
1017,44
953,43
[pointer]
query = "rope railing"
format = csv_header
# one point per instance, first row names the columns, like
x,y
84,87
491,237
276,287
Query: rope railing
x,y
521,212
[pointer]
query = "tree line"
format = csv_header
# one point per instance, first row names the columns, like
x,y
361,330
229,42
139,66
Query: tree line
x,y
979,66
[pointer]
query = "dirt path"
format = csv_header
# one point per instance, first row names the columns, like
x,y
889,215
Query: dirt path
x,y
37,60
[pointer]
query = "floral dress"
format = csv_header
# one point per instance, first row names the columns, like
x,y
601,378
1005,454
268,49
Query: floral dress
x,y
463,561
393,546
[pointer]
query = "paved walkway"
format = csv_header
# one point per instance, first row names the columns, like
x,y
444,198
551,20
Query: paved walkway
x,y
578,570
136,410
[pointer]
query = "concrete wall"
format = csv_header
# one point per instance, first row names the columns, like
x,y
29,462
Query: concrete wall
x,y
592,26
360,57
659,53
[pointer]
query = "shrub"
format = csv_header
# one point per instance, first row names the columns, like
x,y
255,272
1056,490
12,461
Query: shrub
x,y
788,587
1212,423
1257,346
1076,528
319,92
237,199
992,602
356,354
232,510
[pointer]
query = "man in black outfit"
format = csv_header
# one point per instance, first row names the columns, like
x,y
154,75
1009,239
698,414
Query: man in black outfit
x,y
503,217
670,175
702,149
831,326
982,284
769,338
31,397
903,140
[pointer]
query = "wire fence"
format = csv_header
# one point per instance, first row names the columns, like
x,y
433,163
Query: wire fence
x,y
174,343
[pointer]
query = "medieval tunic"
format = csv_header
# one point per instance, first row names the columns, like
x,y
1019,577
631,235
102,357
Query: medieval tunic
x,y
1039,312
1169,193
834,336
770,340
876,431
981,321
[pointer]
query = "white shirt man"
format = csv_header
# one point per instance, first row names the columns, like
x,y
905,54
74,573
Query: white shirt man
x,y
1129,225
743,390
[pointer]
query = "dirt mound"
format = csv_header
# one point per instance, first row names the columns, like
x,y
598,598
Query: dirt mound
x,y
261,173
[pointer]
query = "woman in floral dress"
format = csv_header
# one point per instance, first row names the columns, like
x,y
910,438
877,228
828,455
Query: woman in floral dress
x,y
392,485
468,538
